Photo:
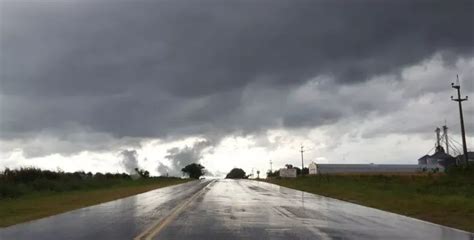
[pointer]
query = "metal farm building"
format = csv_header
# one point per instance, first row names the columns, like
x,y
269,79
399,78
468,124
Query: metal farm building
x,y
367,168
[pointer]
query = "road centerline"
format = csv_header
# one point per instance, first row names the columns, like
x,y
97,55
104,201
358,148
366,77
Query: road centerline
x,y
160,224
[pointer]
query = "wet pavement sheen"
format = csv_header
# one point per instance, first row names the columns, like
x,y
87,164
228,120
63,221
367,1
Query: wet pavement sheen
x,y
231,209
121,219
245,209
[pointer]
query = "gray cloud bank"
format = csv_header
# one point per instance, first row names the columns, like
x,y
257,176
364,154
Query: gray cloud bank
x,y
175,68
180,157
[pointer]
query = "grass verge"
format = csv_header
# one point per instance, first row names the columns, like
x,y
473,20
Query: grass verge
x,y
442,199
41,204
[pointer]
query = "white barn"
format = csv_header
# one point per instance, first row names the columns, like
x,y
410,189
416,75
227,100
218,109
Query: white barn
x,y
313,168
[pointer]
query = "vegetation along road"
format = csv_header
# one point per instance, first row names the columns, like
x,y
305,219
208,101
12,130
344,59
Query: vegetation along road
x,y
30,193
446,199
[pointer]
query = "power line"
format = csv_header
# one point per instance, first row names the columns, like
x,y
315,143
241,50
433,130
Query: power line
x,y
430,150
454,140
455,149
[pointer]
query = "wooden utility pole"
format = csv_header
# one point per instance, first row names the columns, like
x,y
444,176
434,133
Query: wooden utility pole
x,y
457,86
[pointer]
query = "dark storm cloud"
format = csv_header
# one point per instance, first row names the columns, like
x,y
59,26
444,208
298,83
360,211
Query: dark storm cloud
x,y
163,68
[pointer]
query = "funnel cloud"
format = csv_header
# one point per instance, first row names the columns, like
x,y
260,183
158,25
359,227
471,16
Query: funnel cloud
x,y
180,157
129,160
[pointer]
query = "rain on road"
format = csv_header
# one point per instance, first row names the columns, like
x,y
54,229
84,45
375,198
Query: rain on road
x,y
229,209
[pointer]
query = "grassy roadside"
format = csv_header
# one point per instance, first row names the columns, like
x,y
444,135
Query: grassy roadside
x,y
41,204
442,199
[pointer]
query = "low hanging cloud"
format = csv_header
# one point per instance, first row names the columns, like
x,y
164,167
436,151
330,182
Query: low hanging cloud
x,y
151,69
163,170
180,157
129,160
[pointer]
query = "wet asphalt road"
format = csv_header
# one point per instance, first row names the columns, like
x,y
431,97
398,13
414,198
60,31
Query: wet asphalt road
x,y
121,219
229,209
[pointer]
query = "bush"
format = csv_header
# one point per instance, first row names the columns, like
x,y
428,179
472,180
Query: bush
x,y
10,191
236,173
461,170
273,174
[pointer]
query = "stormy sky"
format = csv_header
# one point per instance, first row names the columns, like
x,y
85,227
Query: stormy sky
x,y
86,85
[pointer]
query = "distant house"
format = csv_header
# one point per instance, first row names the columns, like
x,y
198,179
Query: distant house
x,y
423,160
439,161
288,172
441,158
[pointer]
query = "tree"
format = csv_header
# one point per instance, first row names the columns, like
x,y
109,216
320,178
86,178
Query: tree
x,y
275,173
236,173
194,170
142,173
298,171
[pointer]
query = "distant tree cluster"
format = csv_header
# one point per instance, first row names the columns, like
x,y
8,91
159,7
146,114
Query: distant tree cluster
x,y
194,170
30,174
17,182
236,173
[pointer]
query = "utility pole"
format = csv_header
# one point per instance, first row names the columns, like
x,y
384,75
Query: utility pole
x,y
457,86
302,163
271,169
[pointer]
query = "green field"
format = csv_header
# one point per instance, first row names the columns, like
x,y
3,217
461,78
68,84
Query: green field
x,y
443,199
29,194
